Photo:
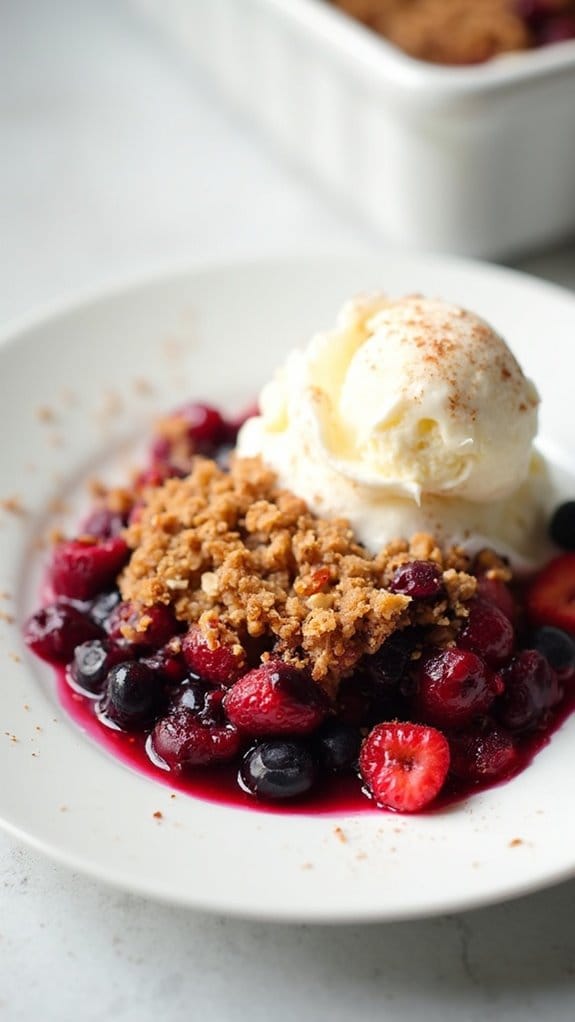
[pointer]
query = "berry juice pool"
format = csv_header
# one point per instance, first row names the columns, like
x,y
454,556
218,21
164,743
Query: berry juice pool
x,y
459,692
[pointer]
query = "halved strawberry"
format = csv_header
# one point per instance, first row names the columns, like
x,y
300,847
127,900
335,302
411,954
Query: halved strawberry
x,y
404,765
550,597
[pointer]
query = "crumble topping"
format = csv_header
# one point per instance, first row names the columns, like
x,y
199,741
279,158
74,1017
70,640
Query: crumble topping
x,y
448,31
250,563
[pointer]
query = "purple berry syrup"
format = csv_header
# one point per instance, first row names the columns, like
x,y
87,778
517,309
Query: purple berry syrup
x,y
88,572
336,795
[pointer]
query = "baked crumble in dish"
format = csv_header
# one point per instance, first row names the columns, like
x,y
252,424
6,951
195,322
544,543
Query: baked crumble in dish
x,y
461,32
252,645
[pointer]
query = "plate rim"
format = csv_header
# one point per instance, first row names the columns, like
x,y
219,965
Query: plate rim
x,y
117,285
316,917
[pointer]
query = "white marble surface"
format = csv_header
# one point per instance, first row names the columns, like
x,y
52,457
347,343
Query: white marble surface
x,y
115,159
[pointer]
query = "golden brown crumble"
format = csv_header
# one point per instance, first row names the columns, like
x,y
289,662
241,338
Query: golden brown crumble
x,y
492,565
449,31
174,429
248,561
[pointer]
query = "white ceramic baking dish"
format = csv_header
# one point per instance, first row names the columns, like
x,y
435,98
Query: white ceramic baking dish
x,y
477,160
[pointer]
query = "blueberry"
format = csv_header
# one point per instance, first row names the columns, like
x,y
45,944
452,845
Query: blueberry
x,y
191,696
388,665
277,770
531,689
133,695
562,526
366,698
203,701
92,663
556,646
103,605
337,746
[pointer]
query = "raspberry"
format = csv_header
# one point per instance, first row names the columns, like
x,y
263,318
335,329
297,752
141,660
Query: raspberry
x,y
220,666
404,766
454,687
275,699
83,568
488,632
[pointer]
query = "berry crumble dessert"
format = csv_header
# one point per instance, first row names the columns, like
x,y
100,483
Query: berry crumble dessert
x,y
349,599
461,32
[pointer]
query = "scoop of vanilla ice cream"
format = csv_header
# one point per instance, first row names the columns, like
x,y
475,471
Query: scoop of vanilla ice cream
x,y
411,415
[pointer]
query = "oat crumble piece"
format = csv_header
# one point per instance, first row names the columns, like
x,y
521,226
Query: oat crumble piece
x,y
247,560
492,565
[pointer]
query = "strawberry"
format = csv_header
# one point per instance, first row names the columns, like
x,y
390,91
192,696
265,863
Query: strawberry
x,y
82,568
275,699
404,765
550,597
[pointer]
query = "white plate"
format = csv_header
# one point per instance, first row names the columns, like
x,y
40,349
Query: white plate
x,y
71,397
